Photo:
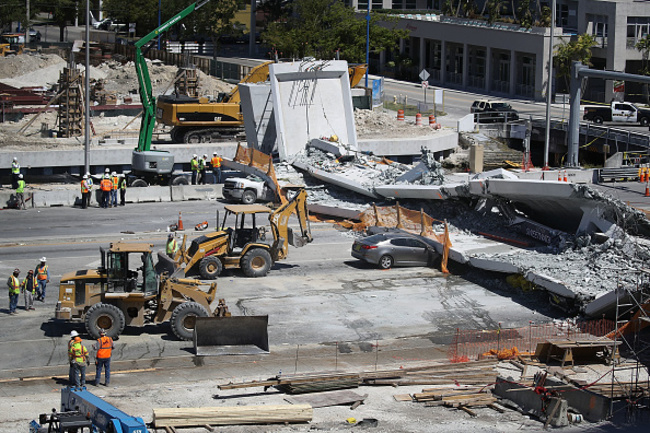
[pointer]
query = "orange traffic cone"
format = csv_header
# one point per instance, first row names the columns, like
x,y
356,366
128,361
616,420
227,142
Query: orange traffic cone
x,y
647,189
180,222
565,178
559,176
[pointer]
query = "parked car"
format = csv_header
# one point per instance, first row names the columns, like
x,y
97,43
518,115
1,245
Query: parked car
x,y
623,112
486,111
395,249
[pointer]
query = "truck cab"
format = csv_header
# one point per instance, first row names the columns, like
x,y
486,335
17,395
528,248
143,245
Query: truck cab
x,y
624,112
246,190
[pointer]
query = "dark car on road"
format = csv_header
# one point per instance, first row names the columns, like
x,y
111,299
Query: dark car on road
x,y
395,249
486,111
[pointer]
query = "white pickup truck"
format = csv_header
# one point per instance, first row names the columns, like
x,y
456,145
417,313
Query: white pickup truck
x,y
623,112
247,190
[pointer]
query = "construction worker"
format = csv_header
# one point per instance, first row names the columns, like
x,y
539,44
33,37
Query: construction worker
x,y
78,357
122,190
14,289
73,334
116,185
216,167
104,349
106,186
202,164
91,185
194,166
42,277
20,193
28,287
15,171
172,246
85,192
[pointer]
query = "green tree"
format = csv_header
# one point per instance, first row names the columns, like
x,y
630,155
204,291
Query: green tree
x,y
273,10
566,53
319,28
142,12
215,19
525,14
494,9
64,13
10,11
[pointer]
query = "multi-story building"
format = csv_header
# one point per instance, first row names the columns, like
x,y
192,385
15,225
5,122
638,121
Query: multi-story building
x,y
509,60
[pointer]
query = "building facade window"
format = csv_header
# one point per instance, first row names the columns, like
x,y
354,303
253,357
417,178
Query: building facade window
x,y
476,67
637,29
526,76
597,27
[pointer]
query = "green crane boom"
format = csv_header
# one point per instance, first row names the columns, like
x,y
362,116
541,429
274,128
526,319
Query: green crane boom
x,y
144,80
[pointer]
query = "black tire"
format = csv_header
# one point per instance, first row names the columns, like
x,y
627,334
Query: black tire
x,y
249,197
256,263
644,121
107,317
180,180
139,183
598,120
193,138
210,267
386,262
184,318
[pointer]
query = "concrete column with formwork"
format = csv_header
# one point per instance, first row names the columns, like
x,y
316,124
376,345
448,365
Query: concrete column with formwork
x,y
476,152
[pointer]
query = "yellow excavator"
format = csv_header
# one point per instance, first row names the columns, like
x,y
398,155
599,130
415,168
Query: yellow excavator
x,y
200,120
247,244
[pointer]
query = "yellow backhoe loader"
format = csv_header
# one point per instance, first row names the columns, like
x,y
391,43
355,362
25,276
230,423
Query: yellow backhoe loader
x,y
128,290
247,244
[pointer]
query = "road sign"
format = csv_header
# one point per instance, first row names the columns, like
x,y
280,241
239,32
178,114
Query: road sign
x,y
424,75
425,84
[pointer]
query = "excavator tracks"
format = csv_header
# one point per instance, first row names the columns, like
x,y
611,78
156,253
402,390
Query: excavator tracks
x,y
206,135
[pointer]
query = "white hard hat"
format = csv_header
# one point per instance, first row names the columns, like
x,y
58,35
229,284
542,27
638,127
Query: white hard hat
x,y
214,153
205,155
43,260
20,176
74,334
195,156
108,170
114,174
15,158
88,173
85,176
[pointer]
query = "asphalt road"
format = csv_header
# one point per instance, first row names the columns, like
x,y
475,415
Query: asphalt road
x,y
318,296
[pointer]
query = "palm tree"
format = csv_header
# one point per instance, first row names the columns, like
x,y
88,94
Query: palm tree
x,y
576,50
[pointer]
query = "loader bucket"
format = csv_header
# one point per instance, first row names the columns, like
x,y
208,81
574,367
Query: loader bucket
x,y
234,335
168,265
296,240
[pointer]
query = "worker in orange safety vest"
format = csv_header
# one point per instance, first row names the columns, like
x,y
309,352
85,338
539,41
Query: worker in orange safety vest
x,y
116,185
43,277
106,186
216,167
104,347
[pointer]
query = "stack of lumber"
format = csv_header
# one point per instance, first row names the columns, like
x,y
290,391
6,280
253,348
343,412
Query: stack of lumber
x,y
296,384
168,418
465,373
457,397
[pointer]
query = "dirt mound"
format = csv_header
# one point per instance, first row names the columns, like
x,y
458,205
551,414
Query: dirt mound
x,y
375,124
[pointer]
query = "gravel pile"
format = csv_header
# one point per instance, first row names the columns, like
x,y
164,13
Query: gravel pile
x,y
379,124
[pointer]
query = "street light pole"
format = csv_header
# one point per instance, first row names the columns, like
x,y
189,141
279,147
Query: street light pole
x,y
549,91
87,94
368,40
159,13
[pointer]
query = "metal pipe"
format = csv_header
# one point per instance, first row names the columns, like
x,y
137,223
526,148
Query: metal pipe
x,y
549,89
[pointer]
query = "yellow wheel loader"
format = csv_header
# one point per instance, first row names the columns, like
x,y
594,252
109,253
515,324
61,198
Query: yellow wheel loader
x,y
128,290
247,244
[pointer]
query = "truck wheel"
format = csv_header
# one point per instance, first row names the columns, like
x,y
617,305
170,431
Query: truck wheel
x,y
645,121
180,180
599,120
107,317
210,267
139,183
249,197
256,263
184,317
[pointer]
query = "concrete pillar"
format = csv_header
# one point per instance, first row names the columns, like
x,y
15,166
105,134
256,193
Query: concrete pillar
x,y
513,73
488,69
476,158
465,65
443,61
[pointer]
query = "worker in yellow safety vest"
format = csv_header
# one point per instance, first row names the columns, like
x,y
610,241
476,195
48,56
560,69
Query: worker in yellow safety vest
x,y
116,185
20,193
194,166
43,277
123,190
106,186
14,289
28,287
15,171
216,167
78,357
104,347
172,246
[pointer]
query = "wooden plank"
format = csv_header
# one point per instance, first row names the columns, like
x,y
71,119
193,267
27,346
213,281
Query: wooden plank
x,y
403,397
232,415
328,398
469,411
497,407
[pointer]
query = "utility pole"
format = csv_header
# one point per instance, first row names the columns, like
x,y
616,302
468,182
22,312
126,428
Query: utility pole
x,y
87,94
549,88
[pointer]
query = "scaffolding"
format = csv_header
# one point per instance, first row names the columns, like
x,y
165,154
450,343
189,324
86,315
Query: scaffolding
x,y
70,113
187,82
632,315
